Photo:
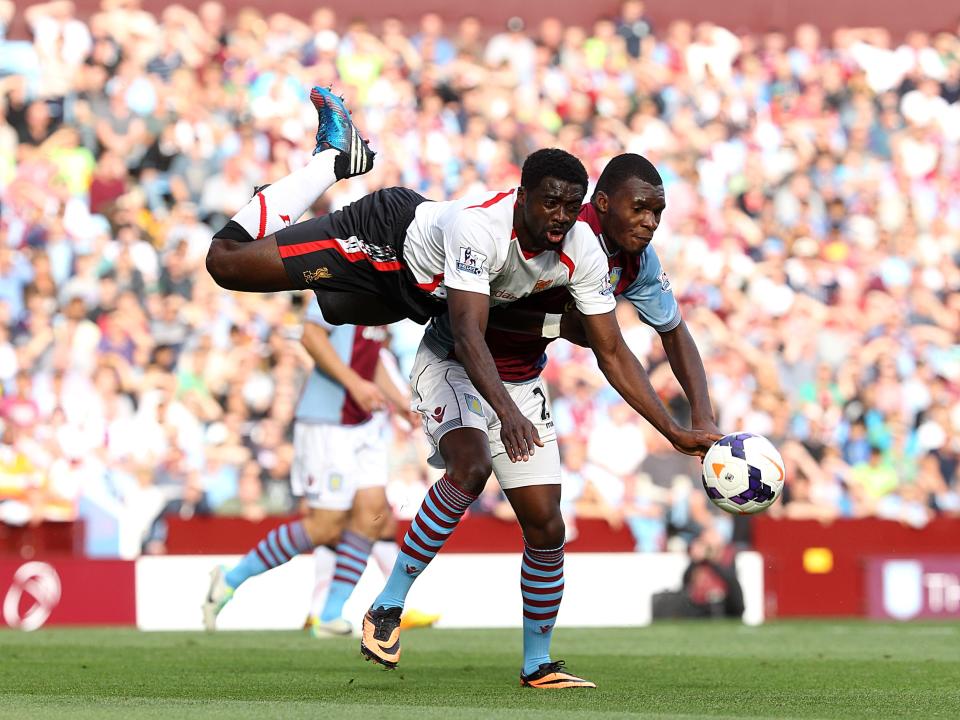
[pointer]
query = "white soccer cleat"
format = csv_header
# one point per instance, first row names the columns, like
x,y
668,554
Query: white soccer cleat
x,y
218,595
338,627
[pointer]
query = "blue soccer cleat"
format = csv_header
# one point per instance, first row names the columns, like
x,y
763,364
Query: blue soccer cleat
x,y
335,130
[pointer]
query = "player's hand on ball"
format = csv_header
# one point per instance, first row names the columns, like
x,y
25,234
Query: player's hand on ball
x,y
519,436
695,442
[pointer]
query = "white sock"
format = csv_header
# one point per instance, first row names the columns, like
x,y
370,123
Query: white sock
x,y
282,204
385,553
325,560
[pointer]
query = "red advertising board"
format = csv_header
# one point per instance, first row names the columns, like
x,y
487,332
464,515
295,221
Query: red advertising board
x,y
927,586
68,591
475,534
820,569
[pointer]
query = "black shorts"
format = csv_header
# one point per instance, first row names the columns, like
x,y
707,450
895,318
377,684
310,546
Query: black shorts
x,y
360,249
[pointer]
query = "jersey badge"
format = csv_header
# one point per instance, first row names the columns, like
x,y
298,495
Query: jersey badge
x,y
664,281
473,404
320,273
606,288
615,274
471,261
542,285
438,414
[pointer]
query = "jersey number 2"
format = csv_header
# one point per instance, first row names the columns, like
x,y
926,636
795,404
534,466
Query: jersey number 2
x,y
544,413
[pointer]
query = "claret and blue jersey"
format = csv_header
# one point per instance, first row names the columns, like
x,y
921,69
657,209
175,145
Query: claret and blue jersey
x,y
324,400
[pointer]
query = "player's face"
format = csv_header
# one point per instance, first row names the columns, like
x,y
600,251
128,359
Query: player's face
x,y
549,211
630,214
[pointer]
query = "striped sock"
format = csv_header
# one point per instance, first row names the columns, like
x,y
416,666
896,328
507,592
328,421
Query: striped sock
x,y
352,555
438,516
279,546
541,585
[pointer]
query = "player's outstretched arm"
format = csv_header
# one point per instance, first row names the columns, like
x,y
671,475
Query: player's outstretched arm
x,y
468,323
626,374
687,366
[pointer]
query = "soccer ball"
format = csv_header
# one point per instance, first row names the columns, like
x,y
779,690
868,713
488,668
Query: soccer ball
x,y
743,473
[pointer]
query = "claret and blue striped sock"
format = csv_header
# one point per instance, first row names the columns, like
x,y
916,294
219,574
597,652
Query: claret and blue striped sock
x,y
541,585
437,518
278,547
353,551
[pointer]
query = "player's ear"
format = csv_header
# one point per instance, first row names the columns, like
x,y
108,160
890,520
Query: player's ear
x,y
521,196
600,201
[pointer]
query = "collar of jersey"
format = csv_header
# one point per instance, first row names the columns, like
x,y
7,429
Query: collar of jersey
x,y
526,255
606,250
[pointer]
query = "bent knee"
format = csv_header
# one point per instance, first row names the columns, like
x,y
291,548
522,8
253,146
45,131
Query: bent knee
x,y
221,263
470,475
546,533
324,527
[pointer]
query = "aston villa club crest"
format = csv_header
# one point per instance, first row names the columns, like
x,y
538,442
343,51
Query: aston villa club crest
x,y
473,404
615,274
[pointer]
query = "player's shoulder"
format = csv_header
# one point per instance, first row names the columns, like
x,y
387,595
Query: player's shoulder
x,y
490,199
581,243
490,207
487,214
647,272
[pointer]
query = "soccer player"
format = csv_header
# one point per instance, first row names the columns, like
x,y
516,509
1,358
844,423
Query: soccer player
x,y
340,469
623,216
394,251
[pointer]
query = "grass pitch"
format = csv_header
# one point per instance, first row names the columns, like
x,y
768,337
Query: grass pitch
x,y
674,670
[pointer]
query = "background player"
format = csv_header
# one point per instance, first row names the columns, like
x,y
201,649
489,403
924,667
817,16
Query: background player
x,y
627,205
340,469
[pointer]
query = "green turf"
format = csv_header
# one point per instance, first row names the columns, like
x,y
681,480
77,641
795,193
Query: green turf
x,y
682,670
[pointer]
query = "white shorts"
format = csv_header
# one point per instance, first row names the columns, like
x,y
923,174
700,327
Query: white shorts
x,y
446,400
332,462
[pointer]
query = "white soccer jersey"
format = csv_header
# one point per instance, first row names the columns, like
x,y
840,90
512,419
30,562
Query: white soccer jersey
x,y
469,244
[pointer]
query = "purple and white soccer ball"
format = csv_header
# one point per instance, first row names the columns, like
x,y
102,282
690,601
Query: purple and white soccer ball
x,y
743,473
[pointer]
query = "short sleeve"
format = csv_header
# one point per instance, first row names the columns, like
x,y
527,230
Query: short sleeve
x,y
590,280
652,295
470,253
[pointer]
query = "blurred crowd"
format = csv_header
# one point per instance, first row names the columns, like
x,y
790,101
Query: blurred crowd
x,y
812,236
